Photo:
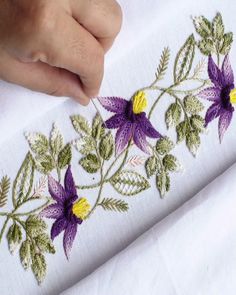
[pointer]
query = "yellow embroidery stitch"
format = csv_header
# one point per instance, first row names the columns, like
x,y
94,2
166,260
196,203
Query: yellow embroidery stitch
x,y
139,102
81,208
233,96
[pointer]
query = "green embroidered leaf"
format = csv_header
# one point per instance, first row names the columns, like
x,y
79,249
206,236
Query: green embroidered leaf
x,y
227,43
37,142
24,180
171,163
193,141
35,225
39,267
33,249
44,243
218,27
206,46
136,160
4,190
40,187
163,183
98,130
14,237
44,163
25,254
192,105
129,183
173,115
56,140
163,65
85,145
198,123
200,67
106,146
164,145
152,165
182,129
81,125
184,60
202,26
65,156
90,163
114,205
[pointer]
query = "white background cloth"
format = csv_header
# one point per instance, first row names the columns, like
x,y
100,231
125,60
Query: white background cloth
x,y
148,27
192,251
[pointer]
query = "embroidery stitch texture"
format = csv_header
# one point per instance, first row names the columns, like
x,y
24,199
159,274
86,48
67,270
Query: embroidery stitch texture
x,y
109,157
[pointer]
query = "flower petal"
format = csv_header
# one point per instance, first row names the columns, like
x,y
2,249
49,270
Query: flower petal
x,y
227,71
214,73
69,182
123,136
115,121
56,190
211,93
224,121
58,226
69,236
212,113
113,104
140,139
52,211
147,127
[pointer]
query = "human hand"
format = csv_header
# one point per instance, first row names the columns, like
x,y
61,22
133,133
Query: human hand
x,y
57,46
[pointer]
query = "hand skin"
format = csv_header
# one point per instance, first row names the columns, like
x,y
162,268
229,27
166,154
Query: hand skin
x,y
57,46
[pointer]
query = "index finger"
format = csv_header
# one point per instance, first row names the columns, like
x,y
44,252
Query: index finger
x,y
71,47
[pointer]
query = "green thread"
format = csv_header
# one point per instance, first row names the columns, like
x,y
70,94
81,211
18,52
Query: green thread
x,y
4,189
114,205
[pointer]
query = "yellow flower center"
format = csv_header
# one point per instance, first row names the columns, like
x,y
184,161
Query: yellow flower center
x,y
232,96
81,208
139,102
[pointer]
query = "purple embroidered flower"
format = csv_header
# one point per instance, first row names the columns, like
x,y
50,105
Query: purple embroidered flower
x,y
68,211
222,94
130,120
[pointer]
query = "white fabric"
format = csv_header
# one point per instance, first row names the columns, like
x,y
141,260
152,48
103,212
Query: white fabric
x,y
190,252
148,27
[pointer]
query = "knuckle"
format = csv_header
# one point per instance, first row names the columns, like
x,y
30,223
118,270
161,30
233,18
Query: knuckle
x,y
35,24
35,56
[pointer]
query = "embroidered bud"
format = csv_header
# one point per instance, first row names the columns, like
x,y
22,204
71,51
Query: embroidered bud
x,y
81,208
139,102
233,96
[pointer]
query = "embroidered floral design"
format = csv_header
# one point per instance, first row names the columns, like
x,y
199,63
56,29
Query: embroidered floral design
x,y
131,121
68,211
50,158
222,94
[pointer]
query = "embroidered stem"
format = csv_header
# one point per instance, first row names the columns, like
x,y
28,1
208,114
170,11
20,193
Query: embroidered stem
x,y
84,187
4,227
158,99
13,214
126,151
99,193
35,210
181,104
104,178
